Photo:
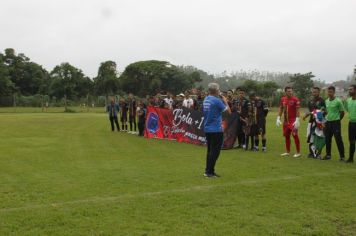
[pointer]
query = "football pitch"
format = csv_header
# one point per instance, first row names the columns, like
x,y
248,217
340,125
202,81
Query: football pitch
x,y
68,174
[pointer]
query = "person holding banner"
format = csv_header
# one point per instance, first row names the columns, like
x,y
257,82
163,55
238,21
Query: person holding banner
x,y
213,107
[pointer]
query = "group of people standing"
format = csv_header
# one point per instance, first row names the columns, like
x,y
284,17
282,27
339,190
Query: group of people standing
x,y
324,122
130,111
325,118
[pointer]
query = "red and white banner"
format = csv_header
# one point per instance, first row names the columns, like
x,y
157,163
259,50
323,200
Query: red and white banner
x,y
185,125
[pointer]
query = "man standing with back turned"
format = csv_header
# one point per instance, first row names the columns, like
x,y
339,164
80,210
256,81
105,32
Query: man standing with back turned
x,y
213,107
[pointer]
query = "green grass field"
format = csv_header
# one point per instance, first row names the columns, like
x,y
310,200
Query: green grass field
x,y
68,174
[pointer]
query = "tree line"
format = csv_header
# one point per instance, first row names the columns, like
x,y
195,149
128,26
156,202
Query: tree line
x,y
22,77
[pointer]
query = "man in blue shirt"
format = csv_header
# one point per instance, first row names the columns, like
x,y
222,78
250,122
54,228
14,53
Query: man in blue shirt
x,y
113,110
213,107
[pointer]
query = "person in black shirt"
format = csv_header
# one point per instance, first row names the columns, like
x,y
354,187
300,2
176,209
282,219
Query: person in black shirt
x,y
316,103
200,100
259,111
132,113
141,118
241,106
230,98
123,114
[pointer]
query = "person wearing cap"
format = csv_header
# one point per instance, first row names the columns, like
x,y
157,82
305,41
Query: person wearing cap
x,y
213,107
113,109
178,102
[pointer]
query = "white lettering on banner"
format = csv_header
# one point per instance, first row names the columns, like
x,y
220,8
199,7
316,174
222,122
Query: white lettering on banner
x,y
175,130
201,122
190,135
202,139
179,117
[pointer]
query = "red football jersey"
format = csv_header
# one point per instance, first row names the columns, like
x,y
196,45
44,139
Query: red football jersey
x,y
290,106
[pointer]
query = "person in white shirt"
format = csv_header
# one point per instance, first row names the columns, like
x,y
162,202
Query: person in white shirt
x,y
188,102
169,101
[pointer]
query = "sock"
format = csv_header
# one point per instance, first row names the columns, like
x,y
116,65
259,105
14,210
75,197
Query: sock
x,y
252,142
297,142
311,149
352,150
264,142
257,142
288,143
247,141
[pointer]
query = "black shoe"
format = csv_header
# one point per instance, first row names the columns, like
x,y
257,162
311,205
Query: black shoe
x,y
216,175
327,158
342,159
350,161
310,155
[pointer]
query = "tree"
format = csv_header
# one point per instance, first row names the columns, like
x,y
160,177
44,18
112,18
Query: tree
x,y
28,77
69,81
252,86
107,83
302,85
147,77
268,89
6,85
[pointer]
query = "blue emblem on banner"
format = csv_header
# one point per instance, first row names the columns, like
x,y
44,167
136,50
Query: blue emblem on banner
x,y
152,123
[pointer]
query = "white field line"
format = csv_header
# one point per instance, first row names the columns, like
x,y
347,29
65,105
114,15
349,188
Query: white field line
x,y
169,191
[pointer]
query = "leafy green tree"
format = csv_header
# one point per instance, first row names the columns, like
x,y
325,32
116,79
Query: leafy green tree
x,y
268,89
252,86
107,82
147,77
28,77
69,81
302,85
6,85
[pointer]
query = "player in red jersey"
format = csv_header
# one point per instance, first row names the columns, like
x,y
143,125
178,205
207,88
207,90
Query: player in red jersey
x,y
289,107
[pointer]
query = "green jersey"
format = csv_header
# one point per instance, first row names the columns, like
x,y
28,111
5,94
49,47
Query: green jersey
x,y
334,108
351,109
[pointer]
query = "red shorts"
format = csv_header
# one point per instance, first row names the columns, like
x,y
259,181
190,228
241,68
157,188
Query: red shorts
x,y
288,129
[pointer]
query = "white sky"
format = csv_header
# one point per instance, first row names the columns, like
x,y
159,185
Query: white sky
x,y
214,35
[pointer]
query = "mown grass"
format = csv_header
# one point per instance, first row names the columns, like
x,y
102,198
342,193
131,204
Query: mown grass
x,y
68,174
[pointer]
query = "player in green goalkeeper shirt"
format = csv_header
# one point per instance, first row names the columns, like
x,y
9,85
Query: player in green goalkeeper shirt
x,y
351,109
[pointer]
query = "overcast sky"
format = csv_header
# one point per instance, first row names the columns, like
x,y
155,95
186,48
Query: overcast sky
x,y
213,35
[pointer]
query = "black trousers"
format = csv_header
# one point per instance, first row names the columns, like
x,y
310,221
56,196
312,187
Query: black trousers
x,y
240,132
113,119
214,144
333,128
352,139
132,121
141,128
